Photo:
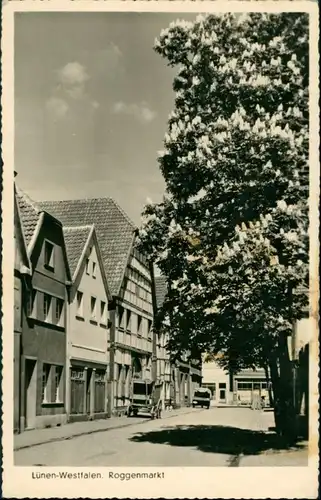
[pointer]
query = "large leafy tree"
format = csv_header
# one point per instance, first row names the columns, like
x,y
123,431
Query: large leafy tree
x,y
231,233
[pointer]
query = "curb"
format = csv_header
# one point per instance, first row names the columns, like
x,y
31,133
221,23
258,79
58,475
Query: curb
x,y
94,431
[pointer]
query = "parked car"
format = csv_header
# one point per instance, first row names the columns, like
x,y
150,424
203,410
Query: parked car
x,y
144,400
202,397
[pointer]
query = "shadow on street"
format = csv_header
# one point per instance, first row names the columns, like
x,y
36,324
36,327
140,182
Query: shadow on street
x,y
217,439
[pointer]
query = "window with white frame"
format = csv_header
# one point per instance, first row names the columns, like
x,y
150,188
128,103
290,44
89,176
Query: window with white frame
x,y
59,317
32,304
103,312
139,324
94,269
87,266
93,308
58,384
121,317
80,304
47,307
129,321
49,257
45,390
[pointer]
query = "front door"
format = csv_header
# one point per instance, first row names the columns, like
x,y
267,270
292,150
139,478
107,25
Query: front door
x,y
30,392
88,390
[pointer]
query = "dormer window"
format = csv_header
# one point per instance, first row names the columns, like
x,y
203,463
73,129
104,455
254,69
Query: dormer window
x,y
49,255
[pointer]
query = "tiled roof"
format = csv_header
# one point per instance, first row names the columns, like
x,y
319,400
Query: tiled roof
x,y
160,290
29,213
115,231
75,240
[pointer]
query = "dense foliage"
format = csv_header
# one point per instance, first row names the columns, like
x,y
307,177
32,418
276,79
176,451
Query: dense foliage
x,y
231,234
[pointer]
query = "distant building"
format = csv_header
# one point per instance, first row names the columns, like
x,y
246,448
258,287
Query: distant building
x,y
217,381
129,280
88,326
22,279
43,340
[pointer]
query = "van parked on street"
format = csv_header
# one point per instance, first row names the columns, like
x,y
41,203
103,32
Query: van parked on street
x,y
202,397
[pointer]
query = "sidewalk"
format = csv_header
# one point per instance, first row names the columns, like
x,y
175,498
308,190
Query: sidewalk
x,y
37,437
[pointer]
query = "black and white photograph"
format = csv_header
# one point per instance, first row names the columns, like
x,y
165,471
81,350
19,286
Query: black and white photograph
x,y
164,264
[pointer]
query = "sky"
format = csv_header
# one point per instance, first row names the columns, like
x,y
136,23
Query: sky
x,y
92,100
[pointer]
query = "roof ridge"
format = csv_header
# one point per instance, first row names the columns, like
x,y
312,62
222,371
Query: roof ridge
x,y
99,198
82,226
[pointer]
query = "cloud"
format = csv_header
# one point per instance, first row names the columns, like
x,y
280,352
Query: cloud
x,y
57,107
141,111
72,79
73,73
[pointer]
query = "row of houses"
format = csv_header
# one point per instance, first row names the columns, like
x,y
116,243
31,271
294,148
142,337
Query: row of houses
x,y
84,302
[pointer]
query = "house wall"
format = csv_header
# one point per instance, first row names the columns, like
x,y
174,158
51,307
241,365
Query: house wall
x,y
89,336
88,343
43,340
133,330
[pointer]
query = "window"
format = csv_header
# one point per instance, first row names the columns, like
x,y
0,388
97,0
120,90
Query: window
x,y
244,386
222,385
49,255
47,307
103,312
94,269
58,312
121,317
32,304
80,304
93,307
87,266
139,325
45,383
129,321
150,323
58,388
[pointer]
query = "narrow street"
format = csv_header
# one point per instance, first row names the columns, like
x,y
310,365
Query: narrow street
x,y
222,437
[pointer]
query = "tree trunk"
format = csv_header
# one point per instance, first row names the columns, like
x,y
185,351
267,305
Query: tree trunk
x,y
284,412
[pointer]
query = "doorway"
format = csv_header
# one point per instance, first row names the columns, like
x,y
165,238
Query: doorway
x,y
88,390
30,392
222,392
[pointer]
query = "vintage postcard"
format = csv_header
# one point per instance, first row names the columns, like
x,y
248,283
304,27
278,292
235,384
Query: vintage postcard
x,y
160,249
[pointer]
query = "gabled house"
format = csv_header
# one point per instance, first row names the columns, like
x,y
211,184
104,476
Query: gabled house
x,y
186,374
88,326
130,283
22,277
43,339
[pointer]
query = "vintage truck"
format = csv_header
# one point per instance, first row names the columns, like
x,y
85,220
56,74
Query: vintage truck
x,y
144,399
